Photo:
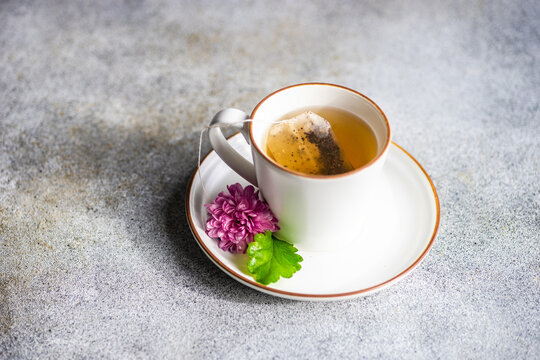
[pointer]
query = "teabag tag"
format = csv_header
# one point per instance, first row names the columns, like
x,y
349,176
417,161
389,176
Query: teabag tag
x,y
307,144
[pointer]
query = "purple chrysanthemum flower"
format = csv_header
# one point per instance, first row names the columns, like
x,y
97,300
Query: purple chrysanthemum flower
x,y
236,217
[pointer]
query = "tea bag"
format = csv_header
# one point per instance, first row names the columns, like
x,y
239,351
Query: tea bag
x,y
307,144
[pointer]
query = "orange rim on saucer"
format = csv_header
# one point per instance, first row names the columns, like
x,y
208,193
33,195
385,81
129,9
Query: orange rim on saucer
x,y
271,290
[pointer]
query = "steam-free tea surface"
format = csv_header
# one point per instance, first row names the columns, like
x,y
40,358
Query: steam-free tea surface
x,y
321,141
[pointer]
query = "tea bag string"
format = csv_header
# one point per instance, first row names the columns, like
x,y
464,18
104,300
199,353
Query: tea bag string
x,y
205,129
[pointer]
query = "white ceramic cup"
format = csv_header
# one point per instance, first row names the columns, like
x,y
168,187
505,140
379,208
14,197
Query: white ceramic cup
x,y
316,213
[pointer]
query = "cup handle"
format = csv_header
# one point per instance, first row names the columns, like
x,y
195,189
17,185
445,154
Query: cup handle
x,y
231,157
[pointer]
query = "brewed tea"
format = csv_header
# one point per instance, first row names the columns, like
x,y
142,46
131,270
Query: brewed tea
x,y
321,141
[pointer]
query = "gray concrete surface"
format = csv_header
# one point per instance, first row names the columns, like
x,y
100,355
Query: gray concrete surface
x,y
101,103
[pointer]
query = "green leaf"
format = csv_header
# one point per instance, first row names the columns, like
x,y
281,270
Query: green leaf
x,y
271,258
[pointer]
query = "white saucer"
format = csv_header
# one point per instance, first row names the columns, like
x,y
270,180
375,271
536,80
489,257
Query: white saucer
x,y
393,241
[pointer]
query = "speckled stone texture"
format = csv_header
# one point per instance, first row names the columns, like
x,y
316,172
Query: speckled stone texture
x,y
101,103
